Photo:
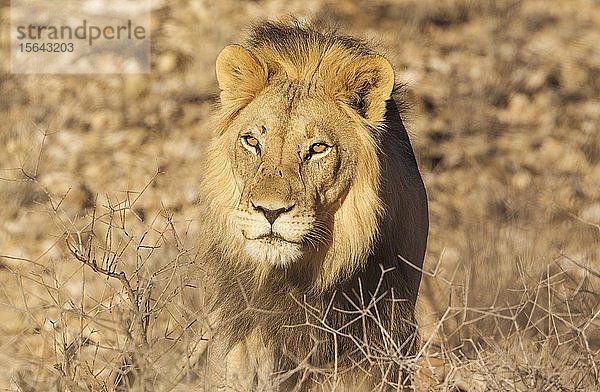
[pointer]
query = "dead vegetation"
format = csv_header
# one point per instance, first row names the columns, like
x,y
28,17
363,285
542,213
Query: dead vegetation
x,y
99,286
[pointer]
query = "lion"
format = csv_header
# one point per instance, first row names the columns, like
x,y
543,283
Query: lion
x,y
315,214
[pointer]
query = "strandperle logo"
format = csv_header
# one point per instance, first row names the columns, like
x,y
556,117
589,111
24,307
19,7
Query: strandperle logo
x,y
80,36
85,31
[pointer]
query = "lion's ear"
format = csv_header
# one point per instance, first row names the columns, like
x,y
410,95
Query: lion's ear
x,y
368,83
239,73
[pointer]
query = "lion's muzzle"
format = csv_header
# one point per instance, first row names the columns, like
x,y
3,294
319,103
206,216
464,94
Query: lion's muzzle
x,y
272,211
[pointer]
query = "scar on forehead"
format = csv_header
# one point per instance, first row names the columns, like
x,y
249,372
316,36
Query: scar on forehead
x,y
309,131
262,129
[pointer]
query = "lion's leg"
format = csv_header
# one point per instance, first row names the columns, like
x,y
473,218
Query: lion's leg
x,y
248,366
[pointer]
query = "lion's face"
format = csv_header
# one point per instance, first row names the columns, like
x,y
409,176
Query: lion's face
x,y
293,160
294,171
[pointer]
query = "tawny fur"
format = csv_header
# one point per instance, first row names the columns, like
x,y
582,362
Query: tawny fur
x,y
288,295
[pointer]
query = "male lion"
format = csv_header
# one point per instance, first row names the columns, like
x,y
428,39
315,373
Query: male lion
x,y
316,217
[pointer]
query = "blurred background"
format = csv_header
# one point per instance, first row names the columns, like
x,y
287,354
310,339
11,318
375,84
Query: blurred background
x,y
504,116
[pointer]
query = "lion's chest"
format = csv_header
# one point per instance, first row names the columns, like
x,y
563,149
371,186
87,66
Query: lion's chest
x,y
294,327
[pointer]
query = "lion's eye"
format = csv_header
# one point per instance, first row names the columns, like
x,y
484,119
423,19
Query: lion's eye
x,y
251,144
318,149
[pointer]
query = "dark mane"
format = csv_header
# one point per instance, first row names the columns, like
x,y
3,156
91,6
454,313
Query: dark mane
x,y
295,39
299,42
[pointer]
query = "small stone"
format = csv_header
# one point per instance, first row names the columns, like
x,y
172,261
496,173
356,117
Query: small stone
x,y
591,213
167,63
134,85
521,180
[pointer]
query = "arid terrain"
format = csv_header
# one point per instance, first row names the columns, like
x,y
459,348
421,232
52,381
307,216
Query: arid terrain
x,y
99,173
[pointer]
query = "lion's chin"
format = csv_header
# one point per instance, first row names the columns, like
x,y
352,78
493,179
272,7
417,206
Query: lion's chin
x,y
273,251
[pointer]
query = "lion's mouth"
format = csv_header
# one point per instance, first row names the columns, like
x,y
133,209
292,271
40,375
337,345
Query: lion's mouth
x,y
270,238
272,248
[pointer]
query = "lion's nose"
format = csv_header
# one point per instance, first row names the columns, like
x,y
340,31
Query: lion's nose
x,y
272,212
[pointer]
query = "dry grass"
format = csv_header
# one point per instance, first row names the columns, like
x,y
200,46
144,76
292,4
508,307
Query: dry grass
x,y
114,311
99,285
